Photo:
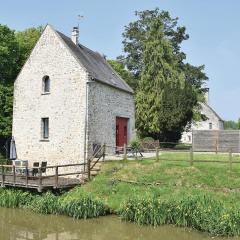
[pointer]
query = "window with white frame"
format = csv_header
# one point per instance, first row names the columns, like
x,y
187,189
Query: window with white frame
x,y
45,128
210,126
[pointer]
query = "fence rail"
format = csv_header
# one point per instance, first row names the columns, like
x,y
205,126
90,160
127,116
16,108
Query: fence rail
x,y
11,175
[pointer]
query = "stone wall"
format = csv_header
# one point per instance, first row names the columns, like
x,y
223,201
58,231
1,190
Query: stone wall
x,y
105,104
64,106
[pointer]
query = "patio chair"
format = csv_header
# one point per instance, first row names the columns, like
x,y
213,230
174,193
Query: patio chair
x,y
35,168
43,167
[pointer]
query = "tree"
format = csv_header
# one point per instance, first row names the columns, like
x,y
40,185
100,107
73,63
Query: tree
x,y
135,35
9,54
14,50
164,100
6,101
27,39
124,73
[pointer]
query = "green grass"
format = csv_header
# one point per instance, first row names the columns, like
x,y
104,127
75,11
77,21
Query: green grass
x,y
204,196
172,177
179,186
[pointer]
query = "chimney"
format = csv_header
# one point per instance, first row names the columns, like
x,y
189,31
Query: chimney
x,y
206,95
75,35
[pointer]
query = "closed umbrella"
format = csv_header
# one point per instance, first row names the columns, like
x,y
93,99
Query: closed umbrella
x,y
13,152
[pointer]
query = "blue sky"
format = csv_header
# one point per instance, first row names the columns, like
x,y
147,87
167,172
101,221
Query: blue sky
x,y
213,27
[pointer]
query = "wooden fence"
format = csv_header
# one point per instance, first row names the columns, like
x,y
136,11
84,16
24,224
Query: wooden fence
x,y
216,140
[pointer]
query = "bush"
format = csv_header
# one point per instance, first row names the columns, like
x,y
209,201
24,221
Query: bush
x,y
135,144
199,212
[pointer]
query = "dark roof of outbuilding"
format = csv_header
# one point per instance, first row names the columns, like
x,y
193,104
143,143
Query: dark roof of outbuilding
x,y
96,65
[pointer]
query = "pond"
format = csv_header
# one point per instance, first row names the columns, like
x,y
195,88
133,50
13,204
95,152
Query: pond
x,y
18,224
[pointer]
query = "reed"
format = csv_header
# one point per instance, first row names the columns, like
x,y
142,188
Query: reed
x,y
47,203
14,198
85,206
202,212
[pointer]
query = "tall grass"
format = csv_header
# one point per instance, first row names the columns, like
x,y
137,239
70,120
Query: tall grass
x,y
48,203
85,207
203,213
14,198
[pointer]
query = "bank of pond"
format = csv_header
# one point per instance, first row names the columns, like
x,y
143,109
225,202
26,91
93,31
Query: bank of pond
x,y
200,211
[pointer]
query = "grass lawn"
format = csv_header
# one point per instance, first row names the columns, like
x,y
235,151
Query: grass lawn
x,y
173,179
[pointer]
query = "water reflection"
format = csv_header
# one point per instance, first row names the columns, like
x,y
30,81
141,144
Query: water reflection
x,y
18,224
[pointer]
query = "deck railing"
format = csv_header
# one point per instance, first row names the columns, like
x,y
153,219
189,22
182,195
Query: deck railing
x,y
19,176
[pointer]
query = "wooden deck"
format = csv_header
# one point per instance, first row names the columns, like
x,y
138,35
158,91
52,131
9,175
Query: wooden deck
x,y
56,177
51,177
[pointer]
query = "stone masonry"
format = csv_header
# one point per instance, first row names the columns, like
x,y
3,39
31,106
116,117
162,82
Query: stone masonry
x,y
71,90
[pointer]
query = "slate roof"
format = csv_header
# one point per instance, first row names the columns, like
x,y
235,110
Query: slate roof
x,y
96,65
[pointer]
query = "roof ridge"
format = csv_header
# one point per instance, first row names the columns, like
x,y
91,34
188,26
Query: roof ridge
x,y
95,64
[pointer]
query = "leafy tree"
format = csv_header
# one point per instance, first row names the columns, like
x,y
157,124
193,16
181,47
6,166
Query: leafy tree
x,y
164,100
14,50
230,125
6,101
124,73
27,40
9,54
135,35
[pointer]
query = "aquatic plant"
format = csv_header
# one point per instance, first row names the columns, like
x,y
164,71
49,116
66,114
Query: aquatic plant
x,y
14,198
201,212
47,203
84,207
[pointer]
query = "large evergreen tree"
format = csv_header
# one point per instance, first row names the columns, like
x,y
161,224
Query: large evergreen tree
x,y
164,100
135,35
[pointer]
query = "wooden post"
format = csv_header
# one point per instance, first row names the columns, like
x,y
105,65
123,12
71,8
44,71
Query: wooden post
x,y
125,152
14,175
191,156
157,154
216,146
26,174
56,177
3,177
40,180
88,168
230,159
104,151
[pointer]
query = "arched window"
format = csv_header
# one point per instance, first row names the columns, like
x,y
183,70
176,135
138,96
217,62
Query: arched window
x,y
46,84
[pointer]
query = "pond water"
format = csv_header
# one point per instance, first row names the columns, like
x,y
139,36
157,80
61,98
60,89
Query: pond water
x,y
18,224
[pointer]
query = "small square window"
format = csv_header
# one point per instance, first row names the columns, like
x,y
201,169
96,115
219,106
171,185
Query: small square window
x,y
45,128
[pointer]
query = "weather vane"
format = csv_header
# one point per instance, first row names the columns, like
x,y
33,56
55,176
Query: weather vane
x,y
79,18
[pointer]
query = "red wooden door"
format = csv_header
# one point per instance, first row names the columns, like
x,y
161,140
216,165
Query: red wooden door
x,y
121,131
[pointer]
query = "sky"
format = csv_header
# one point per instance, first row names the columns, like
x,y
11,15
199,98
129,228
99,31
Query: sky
x,y
213,26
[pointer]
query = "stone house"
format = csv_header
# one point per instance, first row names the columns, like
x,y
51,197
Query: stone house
x,y
213,121
66,99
